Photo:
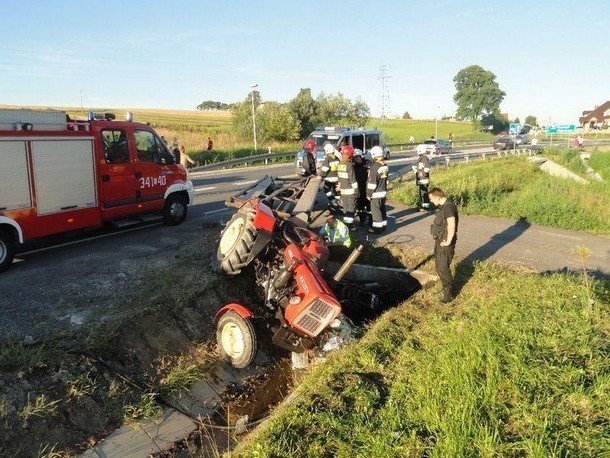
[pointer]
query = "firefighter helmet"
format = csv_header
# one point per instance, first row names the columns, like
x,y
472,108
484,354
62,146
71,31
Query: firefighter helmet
x,y
376,151
310,146
329,149
421,149
358,152
347,150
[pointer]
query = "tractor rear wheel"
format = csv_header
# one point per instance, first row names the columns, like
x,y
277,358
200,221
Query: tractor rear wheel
x,y
236,242
236,339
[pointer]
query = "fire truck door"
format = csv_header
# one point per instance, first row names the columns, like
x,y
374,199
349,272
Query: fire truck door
x,y
117,172
153,169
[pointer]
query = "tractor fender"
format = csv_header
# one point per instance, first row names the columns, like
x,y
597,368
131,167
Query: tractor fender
x,y
237,308
264,218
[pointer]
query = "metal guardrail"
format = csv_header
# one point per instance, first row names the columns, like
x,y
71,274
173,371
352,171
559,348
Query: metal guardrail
x,y
454,157
243,160
267,157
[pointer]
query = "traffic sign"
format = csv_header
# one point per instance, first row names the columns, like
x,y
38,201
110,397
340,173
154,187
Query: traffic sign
x,y
566,128
514,128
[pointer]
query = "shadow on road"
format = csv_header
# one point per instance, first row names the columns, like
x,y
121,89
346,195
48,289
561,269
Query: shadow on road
x,y
465,267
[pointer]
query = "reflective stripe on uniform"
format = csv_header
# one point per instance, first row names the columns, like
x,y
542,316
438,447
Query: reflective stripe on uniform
x,y
423,181
348,219
324,168
379,223
379,194
343,175
329,194
331,179
371,186
348,192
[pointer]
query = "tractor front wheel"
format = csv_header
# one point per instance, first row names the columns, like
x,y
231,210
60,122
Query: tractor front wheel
x,y
236,242
236,339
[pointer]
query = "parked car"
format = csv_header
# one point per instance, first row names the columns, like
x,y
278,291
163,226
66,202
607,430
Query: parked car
x,y
522,140
363,139
504,143
434,146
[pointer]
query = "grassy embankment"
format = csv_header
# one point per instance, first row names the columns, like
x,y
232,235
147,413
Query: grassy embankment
x,y
600,162
514,188
518,365
399,130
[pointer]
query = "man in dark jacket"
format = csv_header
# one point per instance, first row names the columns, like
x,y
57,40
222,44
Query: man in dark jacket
x,y
328,171
377,190
348,186
361,169
309,158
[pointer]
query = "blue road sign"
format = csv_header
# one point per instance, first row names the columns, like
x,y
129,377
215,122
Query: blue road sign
x,y
514,128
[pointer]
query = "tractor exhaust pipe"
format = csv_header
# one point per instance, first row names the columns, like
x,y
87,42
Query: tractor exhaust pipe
x,y
348,263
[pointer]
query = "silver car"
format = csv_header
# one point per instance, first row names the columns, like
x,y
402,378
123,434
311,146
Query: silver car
x,y
434,146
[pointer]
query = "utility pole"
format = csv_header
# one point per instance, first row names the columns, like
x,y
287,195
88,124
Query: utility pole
x,y
384,98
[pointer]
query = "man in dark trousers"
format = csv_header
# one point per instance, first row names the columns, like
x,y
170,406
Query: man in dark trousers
x,y
361,169
377,190
348,186
422,177
309,158
444,231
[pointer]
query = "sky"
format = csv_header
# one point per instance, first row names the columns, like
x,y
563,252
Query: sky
x,y
550,57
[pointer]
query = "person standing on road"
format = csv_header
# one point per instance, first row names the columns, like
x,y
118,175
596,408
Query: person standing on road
x,y
377,190
422,177
309,158
444,231
348,186
185,158
361,169
328,171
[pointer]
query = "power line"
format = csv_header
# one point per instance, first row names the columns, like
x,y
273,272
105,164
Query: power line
x,y
384,98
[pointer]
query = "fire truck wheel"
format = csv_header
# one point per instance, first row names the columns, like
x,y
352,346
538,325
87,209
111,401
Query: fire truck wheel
x,y
175,210
236,339
236,242
7,250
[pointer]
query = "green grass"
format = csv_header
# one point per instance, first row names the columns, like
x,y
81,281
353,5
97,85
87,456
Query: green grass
x,y
600,162
399,130
569,158
513,188
517,366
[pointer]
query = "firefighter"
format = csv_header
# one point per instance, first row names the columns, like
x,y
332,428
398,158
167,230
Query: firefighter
x,y
377,190
361,169
336,235
309,158
348,186
328,171
422,177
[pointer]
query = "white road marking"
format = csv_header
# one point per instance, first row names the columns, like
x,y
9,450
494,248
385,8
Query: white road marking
x,y
220,210
241,183
198,190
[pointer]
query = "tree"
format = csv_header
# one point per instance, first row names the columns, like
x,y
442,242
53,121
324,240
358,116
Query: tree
x,y
339,110
477,93
517,121
497,122
212,105
275,121
531,120
406,115
305,109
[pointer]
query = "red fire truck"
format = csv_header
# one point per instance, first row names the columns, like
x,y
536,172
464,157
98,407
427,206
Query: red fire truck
x,y
58,175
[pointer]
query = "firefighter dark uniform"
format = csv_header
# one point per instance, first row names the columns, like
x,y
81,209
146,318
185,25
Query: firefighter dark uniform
x,y
328,171
361,169
377,190
309,158
348,185
422,177
443,255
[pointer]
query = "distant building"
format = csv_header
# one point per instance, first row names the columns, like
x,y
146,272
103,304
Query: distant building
x,y
597,118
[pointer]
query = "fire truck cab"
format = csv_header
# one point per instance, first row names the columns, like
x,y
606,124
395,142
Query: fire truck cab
x,y
58,175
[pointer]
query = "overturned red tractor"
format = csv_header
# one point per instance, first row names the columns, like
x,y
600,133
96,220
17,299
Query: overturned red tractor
x,y
301,294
